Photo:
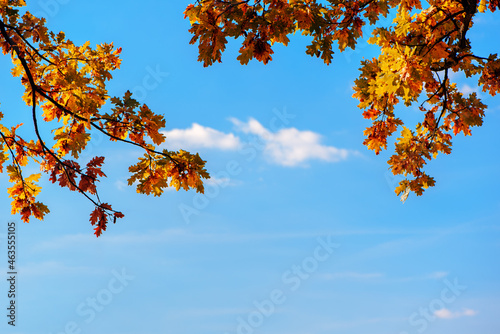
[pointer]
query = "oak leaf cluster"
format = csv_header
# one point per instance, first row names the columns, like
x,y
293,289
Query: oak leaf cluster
x,y
418,52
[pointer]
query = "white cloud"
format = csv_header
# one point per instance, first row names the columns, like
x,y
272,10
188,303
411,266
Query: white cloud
x,y
164,236
447,314
466,90
120,185
352,275
365,276
222,182
89,240
437,275
54,268
198,136
207,312
290,146
286,147
432,276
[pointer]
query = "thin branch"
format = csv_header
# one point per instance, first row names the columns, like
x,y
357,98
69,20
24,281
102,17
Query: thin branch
x,y
29,44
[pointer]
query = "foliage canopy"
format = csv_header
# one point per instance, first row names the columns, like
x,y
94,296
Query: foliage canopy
x,y
66,83
425,43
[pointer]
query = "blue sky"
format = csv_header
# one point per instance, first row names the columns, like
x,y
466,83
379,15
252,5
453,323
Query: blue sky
x,y
299,232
